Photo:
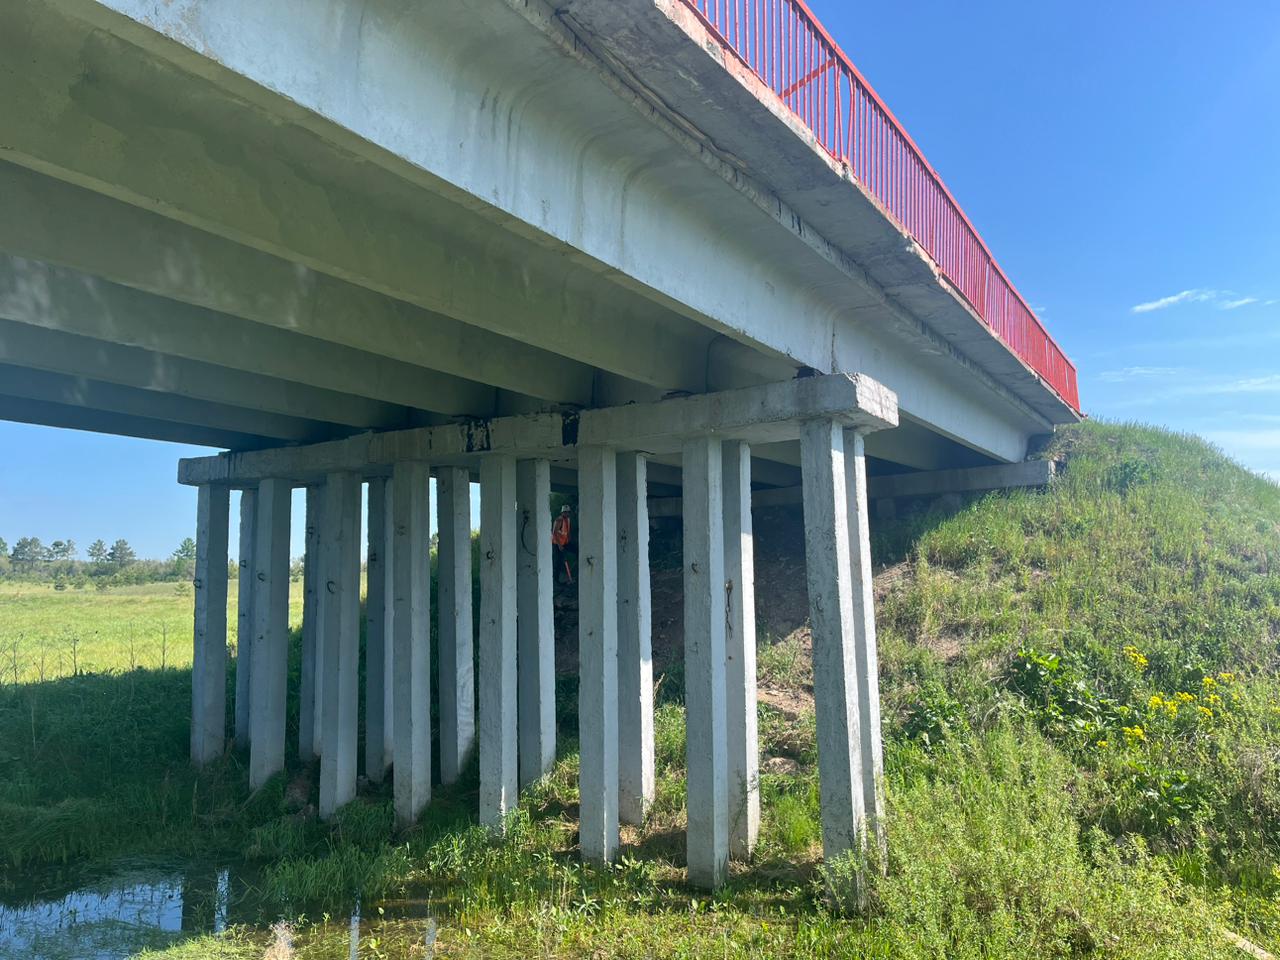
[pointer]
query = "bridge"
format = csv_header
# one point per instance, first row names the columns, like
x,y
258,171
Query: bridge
x,y
638,248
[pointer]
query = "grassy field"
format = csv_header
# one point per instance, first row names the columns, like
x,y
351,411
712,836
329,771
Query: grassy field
x,y
1082,717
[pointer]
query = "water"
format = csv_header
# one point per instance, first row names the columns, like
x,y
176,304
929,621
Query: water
x,y
115,916
138,906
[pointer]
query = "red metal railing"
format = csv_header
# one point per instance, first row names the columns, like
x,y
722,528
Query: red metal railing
x,y
783,43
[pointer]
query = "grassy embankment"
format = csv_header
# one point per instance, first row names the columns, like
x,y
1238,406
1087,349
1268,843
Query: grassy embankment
x,y
1082,715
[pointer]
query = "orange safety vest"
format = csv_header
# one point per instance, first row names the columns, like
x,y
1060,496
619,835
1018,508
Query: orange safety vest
x,y
560,531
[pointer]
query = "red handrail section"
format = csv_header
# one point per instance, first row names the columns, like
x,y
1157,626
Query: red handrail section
x,y
782,42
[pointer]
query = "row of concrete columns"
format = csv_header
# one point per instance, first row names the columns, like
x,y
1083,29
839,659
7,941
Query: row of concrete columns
x,y
516,683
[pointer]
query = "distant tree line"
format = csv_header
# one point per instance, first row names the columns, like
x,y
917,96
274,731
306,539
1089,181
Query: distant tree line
x,y
117,564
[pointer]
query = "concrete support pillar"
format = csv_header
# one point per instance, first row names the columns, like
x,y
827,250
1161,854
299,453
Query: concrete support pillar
x,y
340,612
740,653
308,740
707,836
377,635
598,654
209,661
244,614
864,638
269,670
535,622
635,638
499,773
827,564
456,629
411,637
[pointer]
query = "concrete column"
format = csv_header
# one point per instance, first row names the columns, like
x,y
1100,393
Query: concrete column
x,y
377,635
209,661
269,672
535,622
340,612
499,779
244,614
308,741
864,638
707,838
827,565
411,637
456,629
635,638
740,653
598,654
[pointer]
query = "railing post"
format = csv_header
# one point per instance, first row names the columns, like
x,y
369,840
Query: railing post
x,y
209,659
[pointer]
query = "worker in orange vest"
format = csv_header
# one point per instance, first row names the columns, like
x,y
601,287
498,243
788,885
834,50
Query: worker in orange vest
x,y
561,531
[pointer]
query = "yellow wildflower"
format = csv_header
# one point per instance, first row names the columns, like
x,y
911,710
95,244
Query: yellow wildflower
x,y
1135,657
1155,703
1135,734
1206,713
1102,744
1209,683
1227,677
1183,697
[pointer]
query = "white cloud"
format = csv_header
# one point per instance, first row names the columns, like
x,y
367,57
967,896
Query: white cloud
x,y
1222,299
1186,296
1238,386
1126,374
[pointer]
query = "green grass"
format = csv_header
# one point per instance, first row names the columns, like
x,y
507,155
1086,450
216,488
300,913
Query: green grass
x,y
1045,799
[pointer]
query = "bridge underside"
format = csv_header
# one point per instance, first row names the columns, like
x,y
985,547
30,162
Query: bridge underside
x,y
267,227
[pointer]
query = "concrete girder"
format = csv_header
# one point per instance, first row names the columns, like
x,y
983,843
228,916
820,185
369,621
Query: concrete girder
x,y
54,221
287,191
57,298
167,377
22,410
520,163
73,391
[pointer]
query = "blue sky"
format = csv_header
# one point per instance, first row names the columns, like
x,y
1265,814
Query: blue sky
x,y
1119,159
